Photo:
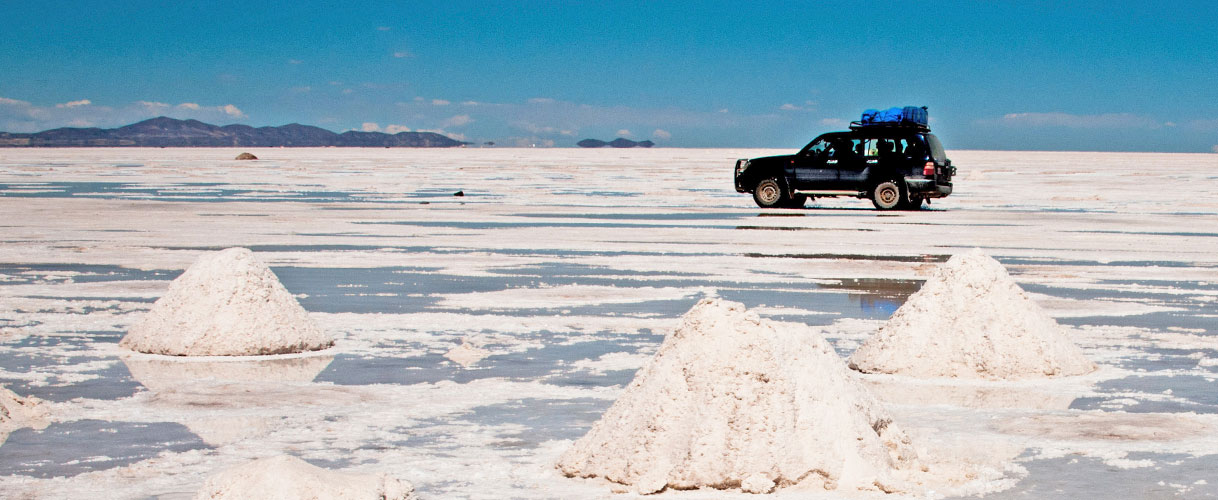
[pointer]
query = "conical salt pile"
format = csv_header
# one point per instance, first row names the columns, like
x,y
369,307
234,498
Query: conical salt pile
x,y
227,304
17,412
289,478
731,400
970,320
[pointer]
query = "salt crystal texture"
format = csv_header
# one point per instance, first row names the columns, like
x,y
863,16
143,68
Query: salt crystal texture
x,y
227,304
289,478
971,320
734,401
17,412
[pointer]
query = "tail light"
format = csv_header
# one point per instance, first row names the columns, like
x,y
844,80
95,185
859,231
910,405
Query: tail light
x,y
929,169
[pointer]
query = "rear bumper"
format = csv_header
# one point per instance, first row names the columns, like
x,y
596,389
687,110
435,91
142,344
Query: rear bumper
x,y
927,188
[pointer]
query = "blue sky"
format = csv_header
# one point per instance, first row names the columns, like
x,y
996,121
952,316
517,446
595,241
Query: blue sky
x,y
1117,76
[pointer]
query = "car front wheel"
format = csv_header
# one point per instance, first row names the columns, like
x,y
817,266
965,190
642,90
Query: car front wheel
x,y
769,193
887,195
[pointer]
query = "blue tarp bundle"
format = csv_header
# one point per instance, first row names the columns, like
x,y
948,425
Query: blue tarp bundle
x,y
895,116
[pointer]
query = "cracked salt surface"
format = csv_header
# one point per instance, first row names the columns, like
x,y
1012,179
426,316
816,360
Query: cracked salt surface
x,y
636,238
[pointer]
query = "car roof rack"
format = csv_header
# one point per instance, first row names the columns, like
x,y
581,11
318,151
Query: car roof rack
x,y
918,127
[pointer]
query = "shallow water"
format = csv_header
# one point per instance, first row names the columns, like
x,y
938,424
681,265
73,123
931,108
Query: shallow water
x,y
569,277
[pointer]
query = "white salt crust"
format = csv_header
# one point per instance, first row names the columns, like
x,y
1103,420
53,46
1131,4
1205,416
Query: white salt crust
x,y
228,303
731,400
289,478
971,320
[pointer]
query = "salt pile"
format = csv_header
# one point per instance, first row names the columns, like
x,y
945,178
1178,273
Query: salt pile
x,y
467,354
227,304
288,478
970,320
731,400
17,412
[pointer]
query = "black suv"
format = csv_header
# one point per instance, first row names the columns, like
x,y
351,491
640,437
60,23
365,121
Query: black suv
x,y
898,166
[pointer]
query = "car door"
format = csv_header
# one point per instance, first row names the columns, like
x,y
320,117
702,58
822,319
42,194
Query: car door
x,y
815,167
852,167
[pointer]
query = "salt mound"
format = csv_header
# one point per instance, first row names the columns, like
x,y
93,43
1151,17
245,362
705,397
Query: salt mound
x,y
17,412
227,304
970,320
288,478
731,400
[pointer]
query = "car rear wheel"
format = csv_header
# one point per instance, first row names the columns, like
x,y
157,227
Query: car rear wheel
x,y
887,195
797,201
769,193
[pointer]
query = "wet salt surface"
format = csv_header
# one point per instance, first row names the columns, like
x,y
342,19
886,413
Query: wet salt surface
x,y
81,446
389,280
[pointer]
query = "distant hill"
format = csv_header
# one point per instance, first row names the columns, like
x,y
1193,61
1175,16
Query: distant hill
x,y
617,143
169,132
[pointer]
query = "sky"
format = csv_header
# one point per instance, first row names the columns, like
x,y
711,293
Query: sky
x,y
1079,76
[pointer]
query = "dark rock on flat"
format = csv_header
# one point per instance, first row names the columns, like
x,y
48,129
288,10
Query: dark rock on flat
x,y
246,156
620,142
591,143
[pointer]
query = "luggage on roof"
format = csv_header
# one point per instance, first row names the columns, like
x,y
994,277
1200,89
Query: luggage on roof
x,y
908,116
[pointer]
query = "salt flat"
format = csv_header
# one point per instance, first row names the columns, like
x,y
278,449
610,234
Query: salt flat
x,y
568,266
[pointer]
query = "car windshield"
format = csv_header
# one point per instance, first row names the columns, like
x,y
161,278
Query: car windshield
x,y
936,149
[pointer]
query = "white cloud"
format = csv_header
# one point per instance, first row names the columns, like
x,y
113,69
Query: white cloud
x,y
661,134
724,111
1067,120
370,127
232,111
383,28
394,129
439,102
21,116
458,121
834,122
303,89
294,61
790,107
538,130
401,54
469,103
623,133
541,100
74,104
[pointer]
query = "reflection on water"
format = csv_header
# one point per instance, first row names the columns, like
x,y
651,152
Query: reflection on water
x,y
877,297
169,373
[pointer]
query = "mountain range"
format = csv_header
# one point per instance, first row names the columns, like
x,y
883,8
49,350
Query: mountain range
x,y
169,132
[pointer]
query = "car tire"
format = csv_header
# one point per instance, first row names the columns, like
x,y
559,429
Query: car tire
x,y
888,195
770,193
797,201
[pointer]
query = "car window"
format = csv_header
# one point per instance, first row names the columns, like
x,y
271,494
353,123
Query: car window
x,y
936,149
816,148
876,147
